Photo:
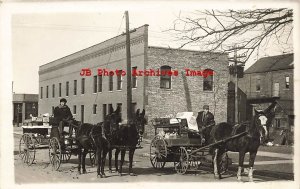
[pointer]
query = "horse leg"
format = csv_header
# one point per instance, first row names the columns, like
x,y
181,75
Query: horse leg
x,y
104,153
131,153
123,151
216,166
241,163
117,159
79,160
251,164
109,159
83,161
99,162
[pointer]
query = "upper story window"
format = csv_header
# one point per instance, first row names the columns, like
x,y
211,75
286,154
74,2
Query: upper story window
x,y
67,88
75,87
59,89
258,87
99,83
287,82
47,91
53,90
82,85
165,80
134,79
119,80
41,93
110,83
208,81
95,84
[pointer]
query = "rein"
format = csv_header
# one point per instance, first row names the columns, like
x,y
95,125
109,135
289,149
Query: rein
x,y
205,127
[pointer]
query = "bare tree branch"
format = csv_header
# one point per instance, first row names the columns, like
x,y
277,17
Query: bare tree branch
x,y
217,30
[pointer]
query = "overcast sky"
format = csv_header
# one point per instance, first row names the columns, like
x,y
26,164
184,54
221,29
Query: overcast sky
x,y
38,38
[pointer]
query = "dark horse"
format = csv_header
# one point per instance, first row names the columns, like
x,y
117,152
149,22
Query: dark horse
x,y
126,137
249,142
91,137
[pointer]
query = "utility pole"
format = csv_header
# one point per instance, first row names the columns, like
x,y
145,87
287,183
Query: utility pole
x,y
236,87
128,58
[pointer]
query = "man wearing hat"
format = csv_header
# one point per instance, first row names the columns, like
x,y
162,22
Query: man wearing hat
x,y
204,119
62,113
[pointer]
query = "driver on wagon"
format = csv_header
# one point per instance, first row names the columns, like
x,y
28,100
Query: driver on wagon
x,y
62,114
204,119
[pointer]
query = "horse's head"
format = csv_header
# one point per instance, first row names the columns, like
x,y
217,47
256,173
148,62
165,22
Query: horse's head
x,y
261,124
112,120
140,121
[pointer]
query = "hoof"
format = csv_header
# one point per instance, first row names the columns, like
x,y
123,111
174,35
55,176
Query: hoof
x,y
98,176
78,172
239,178
103,176
120,174
110,171
132,174
84,172
217,177
251,179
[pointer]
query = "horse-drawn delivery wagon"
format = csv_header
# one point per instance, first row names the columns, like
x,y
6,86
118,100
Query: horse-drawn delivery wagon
x,y
178,141
40,133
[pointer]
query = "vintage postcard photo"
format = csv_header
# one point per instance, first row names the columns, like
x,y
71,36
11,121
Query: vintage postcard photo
x,y
153,92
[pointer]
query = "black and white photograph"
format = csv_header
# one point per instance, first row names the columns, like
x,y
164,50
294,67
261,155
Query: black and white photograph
x,y
120,92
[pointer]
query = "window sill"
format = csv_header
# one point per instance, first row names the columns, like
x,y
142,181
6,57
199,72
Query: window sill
x,y
165,89
208,91
119,90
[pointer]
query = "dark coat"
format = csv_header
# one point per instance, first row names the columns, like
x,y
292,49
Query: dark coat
x,y
208,119
62,113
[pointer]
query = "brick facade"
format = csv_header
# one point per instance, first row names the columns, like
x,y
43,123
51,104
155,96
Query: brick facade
x,y
186,92
110,55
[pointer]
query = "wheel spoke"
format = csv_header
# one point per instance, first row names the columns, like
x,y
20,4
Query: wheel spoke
x,y
158,152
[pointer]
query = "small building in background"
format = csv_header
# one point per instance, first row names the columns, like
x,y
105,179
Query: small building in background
x,y
23,106
271,80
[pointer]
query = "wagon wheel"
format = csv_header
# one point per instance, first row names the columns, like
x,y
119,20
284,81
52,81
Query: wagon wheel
x,y
93,158
158,152
223,164
55,155
182,165
27,149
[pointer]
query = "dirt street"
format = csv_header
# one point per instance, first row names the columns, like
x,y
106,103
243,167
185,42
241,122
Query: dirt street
x,y
41,171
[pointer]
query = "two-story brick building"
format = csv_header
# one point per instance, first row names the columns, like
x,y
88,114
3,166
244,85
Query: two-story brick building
x,y
90,97
271,79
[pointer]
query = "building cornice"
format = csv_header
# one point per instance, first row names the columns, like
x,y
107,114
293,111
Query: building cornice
x,y
102,52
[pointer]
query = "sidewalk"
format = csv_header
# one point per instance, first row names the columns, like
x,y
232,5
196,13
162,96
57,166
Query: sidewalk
x,y
18,130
